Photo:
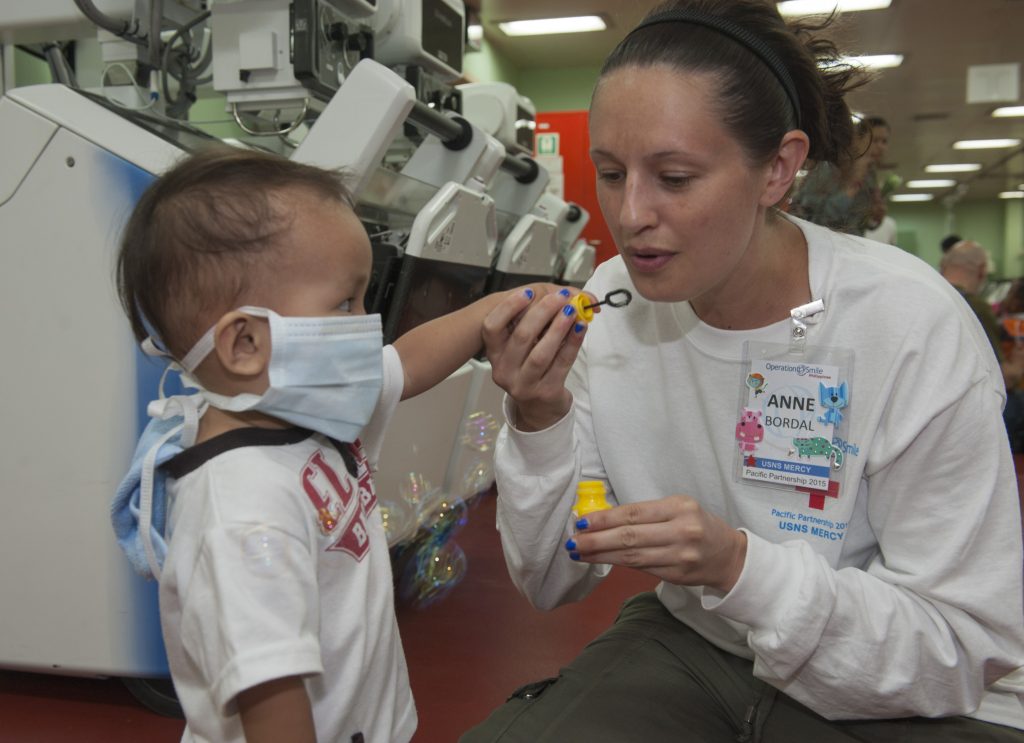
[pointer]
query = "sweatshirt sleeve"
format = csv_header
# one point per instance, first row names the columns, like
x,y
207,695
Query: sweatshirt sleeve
x,y
934,617
536,474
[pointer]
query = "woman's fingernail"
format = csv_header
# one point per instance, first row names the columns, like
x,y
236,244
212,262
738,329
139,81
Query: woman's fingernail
x,y
582,524
568,310
574,556
579,327
570,545
528,293
565,292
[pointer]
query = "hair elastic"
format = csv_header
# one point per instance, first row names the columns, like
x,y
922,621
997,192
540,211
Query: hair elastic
x,y
738,34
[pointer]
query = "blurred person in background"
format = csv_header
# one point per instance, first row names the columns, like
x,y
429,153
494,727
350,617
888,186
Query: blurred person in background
x,y
847,196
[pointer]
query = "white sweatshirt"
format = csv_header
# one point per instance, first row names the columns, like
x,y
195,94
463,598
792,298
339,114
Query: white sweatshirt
x,y
901,596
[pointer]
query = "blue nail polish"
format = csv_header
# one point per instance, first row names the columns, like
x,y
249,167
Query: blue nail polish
x,y
574,556
582,524
565,292
578,327
570,545
568,310
528,293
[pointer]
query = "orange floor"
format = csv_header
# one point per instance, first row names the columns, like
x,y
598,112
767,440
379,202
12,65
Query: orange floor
x,y
465,654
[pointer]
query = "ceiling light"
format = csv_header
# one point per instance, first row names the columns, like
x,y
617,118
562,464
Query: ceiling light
x,y
539,26
953,168
874,61
984,144
912,197
932,183
1012,195
824,7
1008,111
474,32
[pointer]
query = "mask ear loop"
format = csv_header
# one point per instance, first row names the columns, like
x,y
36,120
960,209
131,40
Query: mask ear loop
x,y
191,410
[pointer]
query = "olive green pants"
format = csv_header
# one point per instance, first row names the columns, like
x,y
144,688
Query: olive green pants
x,y
651,679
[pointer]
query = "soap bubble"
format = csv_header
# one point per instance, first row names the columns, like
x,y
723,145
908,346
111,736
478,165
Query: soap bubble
x,y
414,489
400,521
263,550
442,514
478,477
432,573
480,431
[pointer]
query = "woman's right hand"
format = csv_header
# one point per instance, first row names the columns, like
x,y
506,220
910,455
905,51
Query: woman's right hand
x,y
532,342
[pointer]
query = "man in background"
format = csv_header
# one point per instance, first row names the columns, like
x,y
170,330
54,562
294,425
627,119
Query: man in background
x,y
965,265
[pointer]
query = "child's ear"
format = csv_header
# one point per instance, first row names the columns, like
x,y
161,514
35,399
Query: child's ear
x,y
242,343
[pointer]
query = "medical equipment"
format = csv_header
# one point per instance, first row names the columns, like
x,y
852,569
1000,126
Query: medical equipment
x,y
78,397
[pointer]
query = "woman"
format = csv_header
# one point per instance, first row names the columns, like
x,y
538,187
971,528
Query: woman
x,y
801,430
847,198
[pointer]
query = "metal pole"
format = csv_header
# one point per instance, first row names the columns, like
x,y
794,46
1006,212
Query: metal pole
x,y
456,133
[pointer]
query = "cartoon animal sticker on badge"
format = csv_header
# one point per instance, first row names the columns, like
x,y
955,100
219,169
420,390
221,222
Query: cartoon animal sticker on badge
x,y
833,399
819,447
749,430
756,382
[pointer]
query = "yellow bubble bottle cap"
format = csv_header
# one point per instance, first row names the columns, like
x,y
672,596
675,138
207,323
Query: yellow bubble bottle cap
x,y
584,310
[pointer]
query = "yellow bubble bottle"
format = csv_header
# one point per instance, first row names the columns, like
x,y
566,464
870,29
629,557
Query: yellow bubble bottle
x,y
590,497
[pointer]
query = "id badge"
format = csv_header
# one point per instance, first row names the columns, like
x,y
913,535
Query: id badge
x,y
793,414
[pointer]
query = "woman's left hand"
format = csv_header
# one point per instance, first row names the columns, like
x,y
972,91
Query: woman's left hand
x,y
673,539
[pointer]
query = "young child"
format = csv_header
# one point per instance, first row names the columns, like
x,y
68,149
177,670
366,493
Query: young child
x,y
275,589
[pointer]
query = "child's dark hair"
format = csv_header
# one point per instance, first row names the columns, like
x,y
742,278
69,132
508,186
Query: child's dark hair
x,y
754,104
196,230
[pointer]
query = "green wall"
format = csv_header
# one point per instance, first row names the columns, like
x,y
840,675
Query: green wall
x,y
565,89
996,224
29,70
488,66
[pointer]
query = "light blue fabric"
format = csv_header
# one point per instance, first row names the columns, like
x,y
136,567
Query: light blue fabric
x,y
124,512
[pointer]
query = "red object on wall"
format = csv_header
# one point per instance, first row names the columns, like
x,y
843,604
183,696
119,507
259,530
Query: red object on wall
x,y
578,171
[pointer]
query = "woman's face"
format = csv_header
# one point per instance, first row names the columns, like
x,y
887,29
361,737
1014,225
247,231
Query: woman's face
x,y
679,196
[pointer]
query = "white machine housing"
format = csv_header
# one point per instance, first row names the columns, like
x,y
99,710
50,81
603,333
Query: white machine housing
x,y
499,110
251,55
426,33
75,385
72,604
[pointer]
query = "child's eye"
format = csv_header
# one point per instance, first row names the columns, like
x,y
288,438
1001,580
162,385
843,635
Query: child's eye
x,y
345,306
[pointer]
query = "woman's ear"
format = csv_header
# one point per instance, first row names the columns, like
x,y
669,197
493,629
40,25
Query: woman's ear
x,y
242,344
784,166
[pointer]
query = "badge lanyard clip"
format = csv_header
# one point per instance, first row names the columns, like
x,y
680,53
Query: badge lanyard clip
x,y
801,316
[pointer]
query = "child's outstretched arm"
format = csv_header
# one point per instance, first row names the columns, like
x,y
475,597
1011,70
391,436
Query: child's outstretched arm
x,y
277,710
432,351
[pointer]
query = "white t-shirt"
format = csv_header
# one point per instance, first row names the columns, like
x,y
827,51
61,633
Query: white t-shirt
x,y
278,565
901,593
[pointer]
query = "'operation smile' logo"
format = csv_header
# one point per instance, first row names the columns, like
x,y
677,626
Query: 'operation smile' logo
x,y
798,369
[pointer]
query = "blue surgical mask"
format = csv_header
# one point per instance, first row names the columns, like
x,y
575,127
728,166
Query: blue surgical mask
x,y
325,373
